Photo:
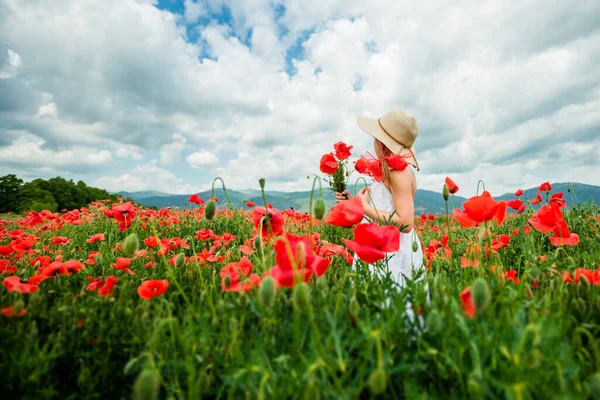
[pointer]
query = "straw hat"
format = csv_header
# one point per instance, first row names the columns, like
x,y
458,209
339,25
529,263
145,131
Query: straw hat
x,y
397,130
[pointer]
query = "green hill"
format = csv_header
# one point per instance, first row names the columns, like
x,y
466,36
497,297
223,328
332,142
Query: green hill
x,y
426,201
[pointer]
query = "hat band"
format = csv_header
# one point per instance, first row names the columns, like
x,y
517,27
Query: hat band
x,y
400,143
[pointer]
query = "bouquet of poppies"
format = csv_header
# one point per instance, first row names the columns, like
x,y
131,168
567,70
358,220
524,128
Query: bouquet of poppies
x,y
335,166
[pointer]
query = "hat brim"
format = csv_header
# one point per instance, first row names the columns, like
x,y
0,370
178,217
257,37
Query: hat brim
x,y
371,126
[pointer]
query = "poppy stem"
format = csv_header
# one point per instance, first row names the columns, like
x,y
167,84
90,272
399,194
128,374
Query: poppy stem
x,y
224,191
483,184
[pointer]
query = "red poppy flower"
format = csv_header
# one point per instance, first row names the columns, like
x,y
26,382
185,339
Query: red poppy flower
x,y
33,218
452,187
538,198
108,288
9,312
60,240
396,162
152,288
250,204
151,241
514,204
98,237
593,277
123,264
557,198
512,276
347,213
372,241
96,283
328,164
342,151
550,219
467,302
294,257
479,209
195,199
13,284
6,267
519,193
238,276
545,187
272,225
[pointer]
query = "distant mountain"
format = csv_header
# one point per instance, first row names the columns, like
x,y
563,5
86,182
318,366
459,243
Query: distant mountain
x,y
426,201
143,194
580,193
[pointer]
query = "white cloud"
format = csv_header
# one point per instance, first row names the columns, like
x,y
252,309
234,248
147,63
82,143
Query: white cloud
x,y
146,177
492,88
171,152
193,11
201,159
29,152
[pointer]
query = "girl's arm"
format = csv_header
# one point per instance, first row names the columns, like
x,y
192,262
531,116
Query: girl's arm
x,y
403,202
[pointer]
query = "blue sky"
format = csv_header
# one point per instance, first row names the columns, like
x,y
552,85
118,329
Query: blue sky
x,y
165,95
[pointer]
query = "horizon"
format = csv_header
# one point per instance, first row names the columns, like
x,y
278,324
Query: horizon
x,y
165,95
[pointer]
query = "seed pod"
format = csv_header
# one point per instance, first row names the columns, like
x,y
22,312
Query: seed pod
x,y
210,209
319,208
180,260
267,292
415,246
322,283
257,243
445,193
434,321
301,298
131,245
242,300
354,307
261,182
146,385
594,386
377,381
481,294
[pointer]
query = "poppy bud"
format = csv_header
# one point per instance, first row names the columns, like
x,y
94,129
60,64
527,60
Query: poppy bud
x,y
415,246
267,292
210,209
301,298
312,392
377,381
434,321
569,189
481,294
132,244
261,182
146,385
242,300
131,366
257,243
203,383
474,388
445,192
227,281
594,386
180,260
581,306
354,307
322,283
320,208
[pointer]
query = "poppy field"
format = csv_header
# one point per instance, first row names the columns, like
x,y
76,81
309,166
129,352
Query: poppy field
x,y
216,300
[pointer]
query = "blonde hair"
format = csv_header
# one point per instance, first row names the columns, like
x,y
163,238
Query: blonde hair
x,y
385,168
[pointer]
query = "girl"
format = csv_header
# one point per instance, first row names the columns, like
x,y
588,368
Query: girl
x,y
391,197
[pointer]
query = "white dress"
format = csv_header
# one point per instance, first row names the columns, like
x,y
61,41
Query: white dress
x,y
405,261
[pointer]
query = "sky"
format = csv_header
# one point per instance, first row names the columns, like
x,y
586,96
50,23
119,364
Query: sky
x,y
165,95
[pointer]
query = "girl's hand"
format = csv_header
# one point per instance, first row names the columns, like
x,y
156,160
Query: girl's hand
x,y
364,196
340,196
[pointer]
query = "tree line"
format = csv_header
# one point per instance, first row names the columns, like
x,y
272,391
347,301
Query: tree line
x,y
53,194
